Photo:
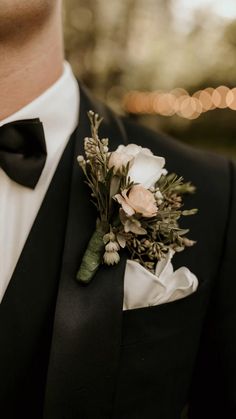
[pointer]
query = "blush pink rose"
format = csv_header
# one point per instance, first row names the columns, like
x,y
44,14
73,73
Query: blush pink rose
x,y
138,200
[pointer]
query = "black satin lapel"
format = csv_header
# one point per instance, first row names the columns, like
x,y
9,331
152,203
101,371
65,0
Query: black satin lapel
x,y
27,309
87,329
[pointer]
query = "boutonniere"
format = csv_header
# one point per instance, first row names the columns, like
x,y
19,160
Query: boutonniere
x,y
139,204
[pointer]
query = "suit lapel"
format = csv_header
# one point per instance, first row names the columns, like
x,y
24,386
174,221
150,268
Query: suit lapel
x,y
26,312
87,328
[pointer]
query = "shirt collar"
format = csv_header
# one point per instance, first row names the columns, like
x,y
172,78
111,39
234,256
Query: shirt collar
x,y
57,108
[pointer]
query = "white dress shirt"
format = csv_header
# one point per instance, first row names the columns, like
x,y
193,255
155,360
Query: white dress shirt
x,y
58,110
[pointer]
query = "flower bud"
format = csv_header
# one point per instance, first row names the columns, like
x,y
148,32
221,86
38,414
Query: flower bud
x,y
109,237
159,195
111,258
187,242
105,141
80,159
112,246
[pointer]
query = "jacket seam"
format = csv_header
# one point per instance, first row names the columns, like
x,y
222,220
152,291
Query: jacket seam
x,y
221,266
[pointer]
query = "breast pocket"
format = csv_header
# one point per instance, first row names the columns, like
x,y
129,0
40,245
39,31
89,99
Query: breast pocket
x,y
165,320
159,347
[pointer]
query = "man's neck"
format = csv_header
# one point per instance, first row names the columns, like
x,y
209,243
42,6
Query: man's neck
x,y
30,67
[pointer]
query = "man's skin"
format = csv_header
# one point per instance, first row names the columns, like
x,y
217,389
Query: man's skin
x,y
31,51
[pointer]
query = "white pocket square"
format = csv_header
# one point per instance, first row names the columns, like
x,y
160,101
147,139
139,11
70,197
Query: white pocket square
x,y
143,289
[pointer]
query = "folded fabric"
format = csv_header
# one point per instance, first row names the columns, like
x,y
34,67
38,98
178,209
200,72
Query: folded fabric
x,y
144,289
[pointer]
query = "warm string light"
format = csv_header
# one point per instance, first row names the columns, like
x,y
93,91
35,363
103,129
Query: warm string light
x,y
180,102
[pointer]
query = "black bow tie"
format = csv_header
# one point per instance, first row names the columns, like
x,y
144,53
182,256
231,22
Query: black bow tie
x,y
23,151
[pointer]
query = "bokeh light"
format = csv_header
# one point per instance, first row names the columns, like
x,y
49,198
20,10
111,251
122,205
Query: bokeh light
x,y
178,101
169,63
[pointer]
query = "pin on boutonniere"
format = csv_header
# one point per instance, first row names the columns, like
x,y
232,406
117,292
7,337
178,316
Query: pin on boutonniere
x,y
139,204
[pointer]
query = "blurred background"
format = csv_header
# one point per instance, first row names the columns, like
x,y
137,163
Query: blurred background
x,y
170,64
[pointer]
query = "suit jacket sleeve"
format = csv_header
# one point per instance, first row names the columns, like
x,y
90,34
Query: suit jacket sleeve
x,y
213,393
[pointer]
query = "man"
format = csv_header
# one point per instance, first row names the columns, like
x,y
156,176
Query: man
x,y
70,351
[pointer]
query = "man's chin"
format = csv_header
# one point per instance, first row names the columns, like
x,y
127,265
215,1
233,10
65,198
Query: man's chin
x,y
21,17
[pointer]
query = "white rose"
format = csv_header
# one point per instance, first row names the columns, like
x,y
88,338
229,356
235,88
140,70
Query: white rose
x,y
145,168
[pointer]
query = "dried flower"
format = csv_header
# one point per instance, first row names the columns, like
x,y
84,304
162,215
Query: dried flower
x,y
111,258
109,237
112,246
105,142
111,255
131,224
187,242
80,159
121,239
159,197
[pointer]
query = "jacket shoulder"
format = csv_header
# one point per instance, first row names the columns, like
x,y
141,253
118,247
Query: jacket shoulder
x,y
181,158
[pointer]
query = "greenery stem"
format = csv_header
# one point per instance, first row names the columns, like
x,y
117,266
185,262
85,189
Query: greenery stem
x,y
93,256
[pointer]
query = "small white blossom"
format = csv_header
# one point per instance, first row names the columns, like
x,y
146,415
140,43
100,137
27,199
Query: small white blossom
x,y
80,159
105,141
111,258
109,237
158,194
112,246
188,243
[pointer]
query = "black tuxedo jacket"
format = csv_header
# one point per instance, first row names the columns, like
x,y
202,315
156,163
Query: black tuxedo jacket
x,y
69,351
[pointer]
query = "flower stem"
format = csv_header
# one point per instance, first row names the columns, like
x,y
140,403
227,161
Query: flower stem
x,y
93,256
